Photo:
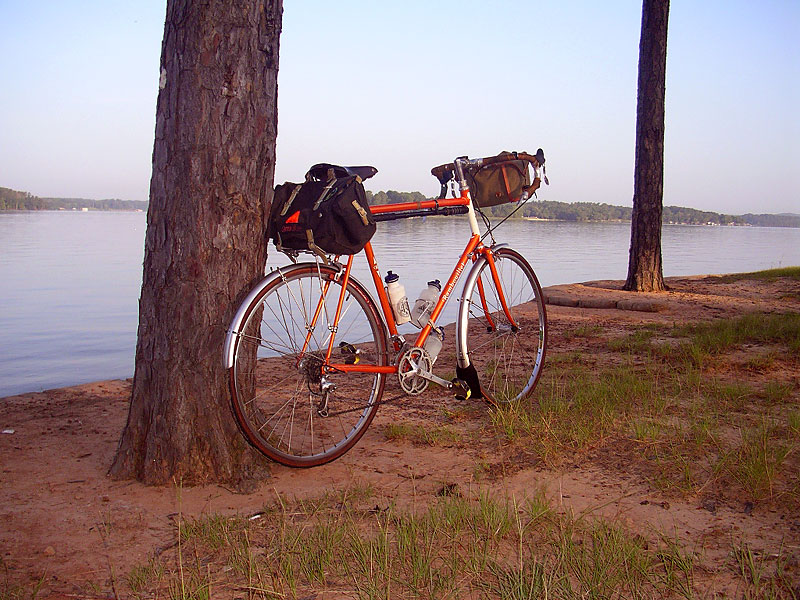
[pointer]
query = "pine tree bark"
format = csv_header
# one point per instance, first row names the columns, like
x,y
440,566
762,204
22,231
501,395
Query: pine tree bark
x,y
645,272
213,168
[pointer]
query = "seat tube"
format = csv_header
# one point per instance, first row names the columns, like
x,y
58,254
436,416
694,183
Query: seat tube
x,y
383,299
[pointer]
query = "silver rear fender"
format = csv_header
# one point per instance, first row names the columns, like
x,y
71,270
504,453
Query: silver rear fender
x,y
232,333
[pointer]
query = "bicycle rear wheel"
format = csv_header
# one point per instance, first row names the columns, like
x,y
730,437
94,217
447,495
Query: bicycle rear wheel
x,y
287,404
507,355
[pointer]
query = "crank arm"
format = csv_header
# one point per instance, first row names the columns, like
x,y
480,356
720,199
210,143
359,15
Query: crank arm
x,y
431,377
457,386
417,371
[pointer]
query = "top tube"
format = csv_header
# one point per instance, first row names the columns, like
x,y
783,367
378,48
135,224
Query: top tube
x,y
399,207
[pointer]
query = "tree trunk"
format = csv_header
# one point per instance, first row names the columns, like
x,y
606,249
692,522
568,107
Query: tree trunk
x,y
645,273
213,167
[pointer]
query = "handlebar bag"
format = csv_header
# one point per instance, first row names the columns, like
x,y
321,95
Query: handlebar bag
x,y
326,217
499,182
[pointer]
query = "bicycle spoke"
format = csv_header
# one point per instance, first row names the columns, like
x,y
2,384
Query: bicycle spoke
x,y
279,367
506,354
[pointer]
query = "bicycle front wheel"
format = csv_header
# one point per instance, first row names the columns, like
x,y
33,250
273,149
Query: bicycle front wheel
x,y
508,354
289,405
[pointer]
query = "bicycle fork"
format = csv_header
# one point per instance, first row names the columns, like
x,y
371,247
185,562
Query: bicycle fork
x,y
465,370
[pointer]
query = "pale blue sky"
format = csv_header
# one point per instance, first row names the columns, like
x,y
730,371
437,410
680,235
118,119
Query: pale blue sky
x,y
408,85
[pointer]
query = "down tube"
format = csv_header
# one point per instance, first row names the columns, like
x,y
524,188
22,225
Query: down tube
x,y
448,288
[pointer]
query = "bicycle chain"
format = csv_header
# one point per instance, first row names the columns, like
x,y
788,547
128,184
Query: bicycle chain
x,y
378,403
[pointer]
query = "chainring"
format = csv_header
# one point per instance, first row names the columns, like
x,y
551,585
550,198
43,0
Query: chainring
x,y
410,382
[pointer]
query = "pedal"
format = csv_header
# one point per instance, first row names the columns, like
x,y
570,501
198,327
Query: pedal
x,y
470,376
460,389
350,353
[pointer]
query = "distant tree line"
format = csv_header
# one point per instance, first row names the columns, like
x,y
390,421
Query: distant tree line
x,y
783,220
14,200
537,209
392,197
593,212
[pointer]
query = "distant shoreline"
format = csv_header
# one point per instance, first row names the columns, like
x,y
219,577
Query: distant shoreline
x,y
12,200
532,219
538,210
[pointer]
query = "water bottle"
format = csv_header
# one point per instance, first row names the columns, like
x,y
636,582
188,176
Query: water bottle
x,y
433,344
423,307
397,298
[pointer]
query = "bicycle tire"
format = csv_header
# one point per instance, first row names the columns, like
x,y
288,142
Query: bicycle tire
x,y
277,388
508,359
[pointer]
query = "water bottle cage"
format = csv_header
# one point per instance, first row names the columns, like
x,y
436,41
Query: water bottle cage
x,y
436,329
428,310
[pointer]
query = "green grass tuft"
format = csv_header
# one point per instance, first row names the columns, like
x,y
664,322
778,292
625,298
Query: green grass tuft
x,y
768,275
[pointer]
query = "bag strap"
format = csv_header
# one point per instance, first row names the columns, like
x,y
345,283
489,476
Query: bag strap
x,y
291,198
505,179
324,193
361,212
314,248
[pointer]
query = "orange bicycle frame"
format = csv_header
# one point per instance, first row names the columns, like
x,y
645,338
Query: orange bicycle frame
x,y
473,248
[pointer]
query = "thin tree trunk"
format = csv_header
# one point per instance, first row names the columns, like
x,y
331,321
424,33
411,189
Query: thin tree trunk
x,y
213,167
645,273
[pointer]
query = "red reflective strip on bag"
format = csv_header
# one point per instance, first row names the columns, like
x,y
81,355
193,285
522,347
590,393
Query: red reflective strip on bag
x,y
505,180
295,218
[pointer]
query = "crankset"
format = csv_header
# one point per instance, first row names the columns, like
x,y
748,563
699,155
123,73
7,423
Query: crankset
x,y
414,374
410,366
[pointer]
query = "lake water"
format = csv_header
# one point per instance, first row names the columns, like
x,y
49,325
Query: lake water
x,y
70,281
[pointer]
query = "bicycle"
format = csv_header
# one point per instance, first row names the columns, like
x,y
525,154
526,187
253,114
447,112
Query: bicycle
x,y
309,350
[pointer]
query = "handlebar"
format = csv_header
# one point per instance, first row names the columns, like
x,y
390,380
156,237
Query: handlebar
x,y
445,173
537,160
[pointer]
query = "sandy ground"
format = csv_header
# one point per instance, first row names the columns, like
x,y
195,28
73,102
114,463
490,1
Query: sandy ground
x,y
60,515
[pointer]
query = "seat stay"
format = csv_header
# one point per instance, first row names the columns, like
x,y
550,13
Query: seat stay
x,y
383,297
310,327
339,304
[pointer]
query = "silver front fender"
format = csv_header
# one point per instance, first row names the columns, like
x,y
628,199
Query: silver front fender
x,y
463,313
